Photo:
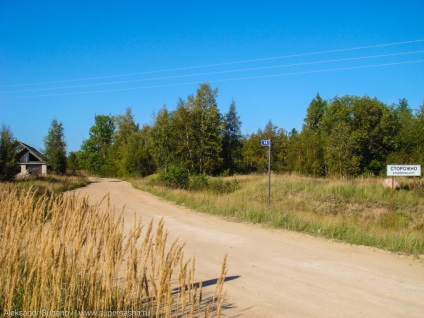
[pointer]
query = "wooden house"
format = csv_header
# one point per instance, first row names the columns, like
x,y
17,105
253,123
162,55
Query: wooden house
x,y
30,160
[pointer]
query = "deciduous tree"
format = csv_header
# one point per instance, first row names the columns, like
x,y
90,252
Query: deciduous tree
x,y
7,154
93,156
206,122
126,128
163,146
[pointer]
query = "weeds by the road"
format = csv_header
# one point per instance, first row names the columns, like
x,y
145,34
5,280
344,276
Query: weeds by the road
x,y
61,254
358,211
50,183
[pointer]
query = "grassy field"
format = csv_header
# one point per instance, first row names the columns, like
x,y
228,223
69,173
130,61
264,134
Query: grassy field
x,y
50,184
61,255
357,211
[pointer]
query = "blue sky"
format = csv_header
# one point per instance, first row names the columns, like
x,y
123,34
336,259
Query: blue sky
x,y
262,54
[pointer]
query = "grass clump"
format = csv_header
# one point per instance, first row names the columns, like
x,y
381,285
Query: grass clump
x,y
179,178
78,260
357,211
50,183
221,186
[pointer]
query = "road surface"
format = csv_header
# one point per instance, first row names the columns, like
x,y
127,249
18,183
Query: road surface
x,y
277,273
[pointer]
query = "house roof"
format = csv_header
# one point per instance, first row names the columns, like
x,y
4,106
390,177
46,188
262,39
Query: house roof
x,y
22,146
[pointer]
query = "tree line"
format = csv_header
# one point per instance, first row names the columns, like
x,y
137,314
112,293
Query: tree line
x,y
343,136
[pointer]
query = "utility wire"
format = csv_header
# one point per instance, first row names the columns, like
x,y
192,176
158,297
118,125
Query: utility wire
x,y
222,80
213,73
219,64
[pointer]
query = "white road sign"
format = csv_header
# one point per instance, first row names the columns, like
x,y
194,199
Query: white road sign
x,y
404,170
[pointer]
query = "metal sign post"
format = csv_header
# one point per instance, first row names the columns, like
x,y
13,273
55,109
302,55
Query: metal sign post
x,y
403,171
267,143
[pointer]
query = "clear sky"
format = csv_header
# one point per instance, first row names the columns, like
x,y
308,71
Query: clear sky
x,y
71,60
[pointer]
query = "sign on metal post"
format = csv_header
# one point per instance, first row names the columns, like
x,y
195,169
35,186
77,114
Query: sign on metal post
x,y
404,171
267,143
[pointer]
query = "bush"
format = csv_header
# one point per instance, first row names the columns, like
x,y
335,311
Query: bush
x,y
220,186
199,182
175,177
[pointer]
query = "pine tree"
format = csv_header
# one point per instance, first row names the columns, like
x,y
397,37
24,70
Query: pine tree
x,y
232,141
315,112
55,147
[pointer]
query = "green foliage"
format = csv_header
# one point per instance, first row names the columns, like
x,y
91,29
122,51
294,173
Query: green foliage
x,y
121,152
313,149
55,147
208,127
163,135
183,136
175,177
340,151
218,185
199,182
315,113
349,136
73,163
295,153
345,137
94,154
255,157
7,154
136,159
191,136
311,142
232,140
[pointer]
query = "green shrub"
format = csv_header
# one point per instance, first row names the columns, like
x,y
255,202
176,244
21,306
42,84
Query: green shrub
x,y
199,182
220,186
175,177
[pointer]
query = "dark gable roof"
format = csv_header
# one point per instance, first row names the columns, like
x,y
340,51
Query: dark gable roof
x,y
22,146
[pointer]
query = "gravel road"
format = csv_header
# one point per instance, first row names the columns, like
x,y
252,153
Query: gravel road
x,y
276,273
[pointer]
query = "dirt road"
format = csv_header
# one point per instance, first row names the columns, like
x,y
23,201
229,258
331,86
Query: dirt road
x,y
275,273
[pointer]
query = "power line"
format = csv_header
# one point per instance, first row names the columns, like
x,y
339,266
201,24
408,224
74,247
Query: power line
x,y
218,64
213,73
221,80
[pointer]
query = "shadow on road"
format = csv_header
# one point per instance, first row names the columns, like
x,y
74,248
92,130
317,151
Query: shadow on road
x,y
206,283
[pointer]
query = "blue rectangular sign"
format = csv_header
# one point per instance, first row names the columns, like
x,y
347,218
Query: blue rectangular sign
x,y
265,142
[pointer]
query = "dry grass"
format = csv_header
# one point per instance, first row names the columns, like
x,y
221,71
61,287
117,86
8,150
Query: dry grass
x,y
60,253
358,211
51,183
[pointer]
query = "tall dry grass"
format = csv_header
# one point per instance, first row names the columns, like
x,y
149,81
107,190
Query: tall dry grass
x,y
51,183
358,211
59,253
